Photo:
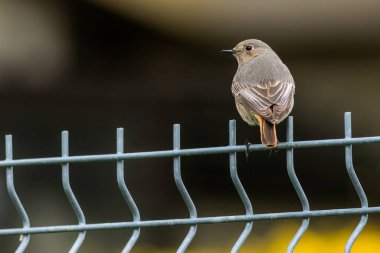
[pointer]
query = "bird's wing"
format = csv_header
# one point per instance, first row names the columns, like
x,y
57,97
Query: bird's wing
x,y
271,99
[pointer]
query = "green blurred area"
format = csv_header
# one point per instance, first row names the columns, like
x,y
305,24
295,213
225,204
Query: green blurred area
x,y
92,66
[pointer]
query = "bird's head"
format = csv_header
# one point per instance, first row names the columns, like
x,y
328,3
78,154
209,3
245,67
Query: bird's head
x,y
248,49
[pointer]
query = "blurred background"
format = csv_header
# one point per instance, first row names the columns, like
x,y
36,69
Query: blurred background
x,y
92,66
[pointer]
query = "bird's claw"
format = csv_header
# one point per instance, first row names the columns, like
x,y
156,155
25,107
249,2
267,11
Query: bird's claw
x,y
275,150
247,144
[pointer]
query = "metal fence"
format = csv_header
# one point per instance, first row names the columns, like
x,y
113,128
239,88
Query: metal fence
x,y
193,220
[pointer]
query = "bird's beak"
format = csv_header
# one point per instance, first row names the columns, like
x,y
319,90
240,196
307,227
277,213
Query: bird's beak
x,y
229,51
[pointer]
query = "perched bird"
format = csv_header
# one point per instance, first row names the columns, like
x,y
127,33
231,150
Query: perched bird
x,y
263,88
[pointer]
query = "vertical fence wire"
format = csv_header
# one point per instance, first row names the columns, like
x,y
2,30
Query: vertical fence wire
x,y
239,187
125,192
182,189
13,196
297,186
355,182
70,194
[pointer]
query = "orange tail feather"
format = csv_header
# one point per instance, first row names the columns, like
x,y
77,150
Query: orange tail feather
x,y
268,133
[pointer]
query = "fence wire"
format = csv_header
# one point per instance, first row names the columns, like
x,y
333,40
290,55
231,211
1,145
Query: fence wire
x,y
193,220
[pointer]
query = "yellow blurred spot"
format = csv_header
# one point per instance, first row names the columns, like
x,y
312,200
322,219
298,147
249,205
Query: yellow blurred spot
x,y
277,240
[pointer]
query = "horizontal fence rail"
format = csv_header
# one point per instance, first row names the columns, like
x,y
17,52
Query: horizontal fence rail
x,y
187,152
193,220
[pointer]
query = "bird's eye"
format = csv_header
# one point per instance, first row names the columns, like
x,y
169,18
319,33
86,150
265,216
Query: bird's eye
x,y
248,48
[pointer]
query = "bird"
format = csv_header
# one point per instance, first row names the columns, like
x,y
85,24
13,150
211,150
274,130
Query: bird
x,y
263,88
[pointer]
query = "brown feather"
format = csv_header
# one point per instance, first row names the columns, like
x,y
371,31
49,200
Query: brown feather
x,y
268,134
272,100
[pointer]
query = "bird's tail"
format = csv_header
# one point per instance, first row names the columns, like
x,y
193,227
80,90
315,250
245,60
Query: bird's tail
x,y
268,133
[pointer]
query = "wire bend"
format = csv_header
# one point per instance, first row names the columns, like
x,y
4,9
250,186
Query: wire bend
x,y
182,189
24,238
355,182
125,192
69,193
239,187
297,187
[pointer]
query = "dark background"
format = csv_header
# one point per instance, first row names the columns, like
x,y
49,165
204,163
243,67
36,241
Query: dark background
x,y
92,66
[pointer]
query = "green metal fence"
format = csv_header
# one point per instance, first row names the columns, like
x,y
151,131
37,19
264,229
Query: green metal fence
x,y
249,217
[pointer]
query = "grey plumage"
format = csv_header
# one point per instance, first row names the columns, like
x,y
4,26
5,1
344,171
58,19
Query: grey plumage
x,y
262,86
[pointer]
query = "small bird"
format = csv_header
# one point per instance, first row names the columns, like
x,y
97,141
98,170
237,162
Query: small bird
x,y
263,88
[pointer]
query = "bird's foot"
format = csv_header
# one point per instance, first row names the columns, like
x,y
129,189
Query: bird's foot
x,y
274,150
247,144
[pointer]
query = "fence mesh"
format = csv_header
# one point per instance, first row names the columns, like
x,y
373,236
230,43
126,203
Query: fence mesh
x,y
249,217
